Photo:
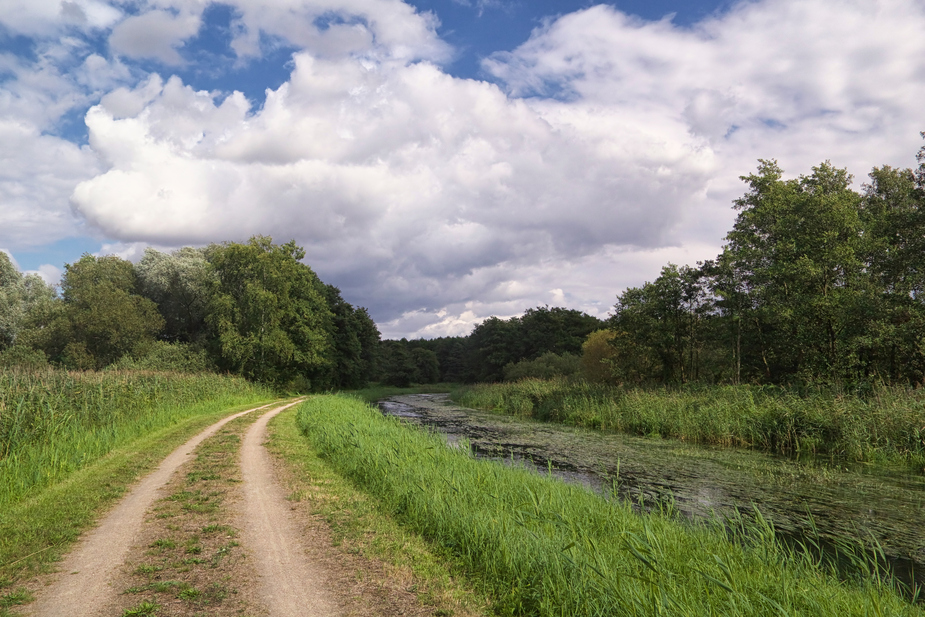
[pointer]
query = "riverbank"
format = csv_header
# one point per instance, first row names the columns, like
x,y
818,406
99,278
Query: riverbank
x,y
542,547
887,426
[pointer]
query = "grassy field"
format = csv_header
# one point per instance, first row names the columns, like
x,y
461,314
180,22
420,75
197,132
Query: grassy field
x,y
54,423
72,442
540,547
886,426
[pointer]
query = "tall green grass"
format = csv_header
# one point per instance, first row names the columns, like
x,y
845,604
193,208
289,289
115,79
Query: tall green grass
x,y
53,423
889,424
545,548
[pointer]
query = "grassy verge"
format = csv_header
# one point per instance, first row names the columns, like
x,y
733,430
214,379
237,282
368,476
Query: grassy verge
x,y
542,547
38,529
887,426
361,526
54,423
376,393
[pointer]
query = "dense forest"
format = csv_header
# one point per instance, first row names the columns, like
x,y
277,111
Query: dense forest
x,y
252,309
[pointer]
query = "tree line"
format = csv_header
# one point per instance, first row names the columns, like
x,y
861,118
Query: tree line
x,y
817,283
543,342
252,309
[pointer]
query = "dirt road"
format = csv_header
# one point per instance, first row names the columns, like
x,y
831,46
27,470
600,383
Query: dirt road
x,y
211,532
274,573
84,584
289,584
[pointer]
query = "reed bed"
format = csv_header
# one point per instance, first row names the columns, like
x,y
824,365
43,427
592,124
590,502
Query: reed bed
x,y
885,425
542,547
53,423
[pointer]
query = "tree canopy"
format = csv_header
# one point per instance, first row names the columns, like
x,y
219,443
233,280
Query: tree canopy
x,y
252,308
817,282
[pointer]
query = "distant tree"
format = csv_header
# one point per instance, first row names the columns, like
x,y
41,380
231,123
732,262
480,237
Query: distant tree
x,y
396,364
19,295
451,353
99,318
597,355
179,283
369,337
355,339
554,330
268,314
494,343
893,250
795,245
661,322
548,366
427,367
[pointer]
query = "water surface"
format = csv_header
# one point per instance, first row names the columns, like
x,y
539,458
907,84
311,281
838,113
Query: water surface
x,y
861,502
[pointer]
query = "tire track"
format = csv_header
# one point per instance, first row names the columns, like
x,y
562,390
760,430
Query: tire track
x,y
84,585
289,583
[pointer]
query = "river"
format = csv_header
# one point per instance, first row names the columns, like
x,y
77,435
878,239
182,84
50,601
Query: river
x,y
857,501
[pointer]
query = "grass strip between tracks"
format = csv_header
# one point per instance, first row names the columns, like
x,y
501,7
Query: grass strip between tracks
x,y
38,530
542,547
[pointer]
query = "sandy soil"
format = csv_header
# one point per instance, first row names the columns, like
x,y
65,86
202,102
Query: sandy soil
x,y
289,583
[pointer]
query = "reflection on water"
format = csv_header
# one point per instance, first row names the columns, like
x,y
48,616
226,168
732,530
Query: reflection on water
x,y
701,481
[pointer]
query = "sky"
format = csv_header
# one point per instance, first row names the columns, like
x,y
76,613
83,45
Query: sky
x,y
441,161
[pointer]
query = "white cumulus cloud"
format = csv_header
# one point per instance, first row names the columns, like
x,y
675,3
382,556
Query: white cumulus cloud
x,y
606,146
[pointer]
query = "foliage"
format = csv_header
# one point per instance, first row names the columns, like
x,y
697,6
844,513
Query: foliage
x,y
268,313
543,547
18,296
166,357
817,283
23,358
663,320
547,366
426,365
99,318
179,284
597,355
497,343
355,344
397,367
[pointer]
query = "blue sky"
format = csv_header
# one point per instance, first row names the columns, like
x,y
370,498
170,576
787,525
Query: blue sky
x,y
440,160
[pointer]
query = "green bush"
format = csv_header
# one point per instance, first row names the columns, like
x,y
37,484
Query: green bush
x,y
548,366
23,358
164,356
